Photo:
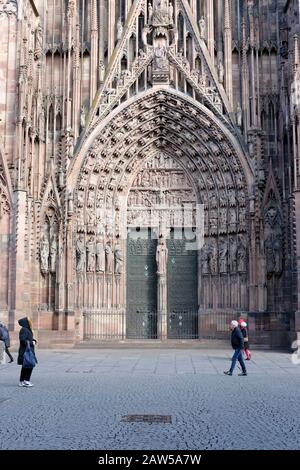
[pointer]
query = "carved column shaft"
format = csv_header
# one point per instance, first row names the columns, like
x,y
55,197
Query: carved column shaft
x,y
162,299
94,52
111,27
228,50
210,29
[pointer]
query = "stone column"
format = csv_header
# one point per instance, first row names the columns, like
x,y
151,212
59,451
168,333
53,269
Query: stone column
x,y
18,259
111,27
297,231
228,50
210,29
94,46
162,330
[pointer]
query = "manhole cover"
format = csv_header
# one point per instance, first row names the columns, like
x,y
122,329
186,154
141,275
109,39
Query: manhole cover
x,y
166,419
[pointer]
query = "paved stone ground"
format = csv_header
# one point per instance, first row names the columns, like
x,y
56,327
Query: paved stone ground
x,y
80,397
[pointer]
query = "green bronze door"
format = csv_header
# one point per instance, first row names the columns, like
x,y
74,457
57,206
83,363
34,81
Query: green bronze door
x,y
182,290
141,315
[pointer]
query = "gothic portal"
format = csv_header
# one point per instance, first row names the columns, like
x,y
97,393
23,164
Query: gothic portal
x,y
149,159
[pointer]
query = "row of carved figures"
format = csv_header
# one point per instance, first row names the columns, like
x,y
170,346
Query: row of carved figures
x,y
227,256
95,255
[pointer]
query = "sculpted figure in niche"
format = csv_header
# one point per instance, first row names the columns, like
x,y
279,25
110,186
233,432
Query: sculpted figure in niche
x,y
214,258
90,252
202,27
160,15
109,258
162,256
205,258
80,254
160,58
119,29
100,256
53,254
223,256
239,115
38,42
233,255
44,253
221,71
118,260
242,256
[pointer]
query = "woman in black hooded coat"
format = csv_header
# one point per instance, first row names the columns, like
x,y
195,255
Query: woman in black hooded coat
x,y
25,335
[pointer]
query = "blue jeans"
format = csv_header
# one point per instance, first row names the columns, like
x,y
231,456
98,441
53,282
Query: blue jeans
x,y
237,356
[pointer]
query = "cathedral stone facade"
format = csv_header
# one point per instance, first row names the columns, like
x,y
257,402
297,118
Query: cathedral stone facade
x,y
150,169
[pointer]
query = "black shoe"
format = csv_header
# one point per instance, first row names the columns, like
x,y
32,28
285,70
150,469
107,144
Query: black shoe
x,y
242,374
227,372
10,361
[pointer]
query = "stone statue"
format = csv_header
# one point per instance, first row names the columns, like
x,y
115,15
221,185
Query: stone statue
x,y
100,257
214,258
162,256
69,145
70,203
160,58
202,27
80,254
119,29
38,42
150,13
44,254
109,258
205,259
233,255
221,71
101,71
161,16
82,117
277,251
53,254
239,115
223,252
118,260
90,255
242,257
171,13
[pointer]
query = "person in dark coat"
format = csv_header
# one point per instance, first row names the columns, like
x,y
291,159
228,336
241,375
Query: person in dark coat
x,y
4,336
243,327
237,343
25,335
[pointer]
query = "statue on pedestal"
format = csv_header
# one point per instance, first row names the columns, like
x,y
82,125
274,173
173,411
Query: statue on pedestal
x,y
162,256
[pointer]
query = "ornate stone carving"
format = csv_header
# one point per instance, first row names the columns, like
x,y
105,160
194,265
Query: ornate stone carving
x,y
4,202
44,253
161,257
53,253
109,256
90,255
8,7
273,238
100,256
80,254
118,259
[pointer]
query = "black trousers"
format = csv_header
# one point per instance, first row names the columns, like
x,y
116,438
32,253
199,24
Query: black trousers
x,y
25,374
8,353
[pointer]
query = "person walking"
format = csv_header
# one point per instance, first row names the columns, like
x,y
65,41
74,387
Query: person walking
x,y
26,337
4,336
237,343
243,327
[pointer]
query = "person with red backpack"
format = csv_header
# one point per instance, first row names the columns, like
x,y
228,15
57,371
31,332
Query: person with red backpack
x,y
243,327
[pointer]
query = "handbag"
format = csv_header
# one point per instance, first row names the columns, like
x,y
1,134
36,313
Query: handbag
x,y
29,359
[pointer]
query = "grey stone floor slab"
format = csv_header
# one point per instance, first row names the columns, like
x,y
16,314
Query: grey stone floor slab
x,y
81,396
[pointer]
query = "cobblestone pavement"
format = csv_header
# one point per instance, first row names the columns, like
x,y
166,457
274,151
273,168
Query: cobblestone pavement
x,y
80,397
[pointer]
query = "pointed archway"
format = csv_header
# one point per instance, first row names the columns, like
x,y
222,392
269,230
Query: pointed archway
x,y
104,172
